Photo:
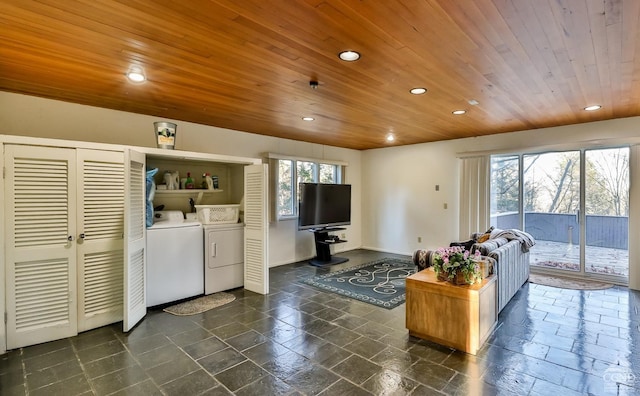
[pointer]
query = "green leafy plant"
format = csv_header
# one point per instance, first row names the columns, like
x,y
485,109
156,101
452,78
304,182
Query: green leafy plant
x,y
450,261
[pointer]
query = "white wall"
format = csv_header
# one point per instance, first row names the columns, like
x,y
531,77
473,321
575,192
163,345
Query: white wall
x,y
31,116
400,202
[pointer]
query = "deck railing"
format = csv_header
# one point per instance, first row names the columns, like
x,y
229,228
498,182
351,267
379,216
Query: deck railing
x,y
601,231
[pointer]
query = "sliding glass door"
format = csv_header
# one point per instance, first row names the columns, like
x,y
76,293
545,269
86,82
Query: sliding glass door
x,y
552,206
575,203
607,212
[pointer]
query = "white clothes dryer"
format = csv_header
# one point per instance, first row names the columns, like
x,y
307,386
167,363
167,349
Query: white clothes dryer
x,y
175,258
224,257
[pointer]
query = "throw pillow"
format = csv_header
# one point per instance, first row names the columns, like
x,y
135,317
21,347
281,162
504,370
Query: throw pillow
x,y
423,258
487,234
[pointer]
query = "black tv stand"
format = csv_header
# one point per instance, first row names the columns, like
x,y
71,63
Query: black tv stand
x,y
323,247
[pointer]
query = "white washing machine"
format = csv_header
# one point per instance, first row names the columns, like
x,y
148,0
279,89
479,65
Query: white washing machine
x,y
175,258
224,257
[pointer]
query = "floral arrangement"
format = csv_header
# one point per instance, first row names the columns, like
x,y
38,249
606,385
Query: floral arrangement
x,y
449,262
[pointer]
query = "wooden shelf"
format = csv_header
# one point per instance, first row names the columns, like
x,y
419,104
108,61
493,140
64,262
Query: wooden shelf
x,y
193,191
332,241
199,193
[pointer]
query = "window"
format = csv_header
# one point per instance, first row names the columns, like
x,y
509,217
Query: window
x,y
291,172
575,203
328,173
505,191
307,172
285,188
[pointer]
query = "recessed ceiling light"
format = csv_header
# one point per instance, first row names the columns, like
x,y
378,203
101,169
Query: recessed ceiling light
x,y
418,91
593,108
473,102
390,137
308,118
458,112
136,74
349,56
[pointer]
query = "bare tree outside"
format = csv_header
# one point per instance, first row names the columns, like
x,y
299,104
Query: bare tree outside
x,y
608,182
285,192
505,184
552,182
328,173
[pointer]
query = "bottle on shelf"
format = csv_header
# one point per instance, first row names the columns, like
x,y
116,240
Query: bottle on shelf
x,y
208,181
189,184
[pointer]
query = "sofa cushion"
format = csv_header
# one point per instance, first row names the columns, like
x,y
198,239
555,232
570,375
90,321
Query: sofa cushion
x,y
489,245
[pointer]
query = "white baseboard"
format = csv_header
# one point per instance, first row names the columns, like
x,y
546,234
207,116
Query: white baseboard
x,y
386,250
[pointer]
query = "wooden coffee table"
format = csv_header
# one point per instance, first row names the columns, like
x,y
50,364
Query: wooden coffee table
x,y
460,317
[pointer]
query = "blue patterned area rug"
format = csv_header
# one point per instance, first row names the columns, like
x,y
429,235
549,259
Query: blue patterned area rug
x,y
380,282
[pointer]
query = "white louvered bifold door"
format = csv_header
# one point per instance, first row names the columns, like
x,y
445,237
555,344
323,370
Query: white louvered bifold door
x,y
256,231
100,238
40,244
135,302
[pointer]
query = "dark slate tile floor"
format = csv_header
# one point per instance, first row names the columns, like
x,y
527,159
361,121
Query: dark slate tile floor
x,y
302,341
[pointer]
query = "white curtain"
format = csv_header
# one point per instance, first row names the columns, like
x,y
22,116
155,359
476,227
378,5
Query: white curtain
x,y
474,195
634,215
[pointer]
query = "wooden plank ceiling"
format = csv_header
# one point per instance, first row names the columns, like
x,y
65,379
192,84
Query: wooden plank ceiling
x,y
246,65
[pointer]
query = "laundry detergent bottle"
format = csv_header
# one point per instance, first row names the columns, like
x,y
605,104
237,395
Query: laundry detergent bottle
x,y
189,184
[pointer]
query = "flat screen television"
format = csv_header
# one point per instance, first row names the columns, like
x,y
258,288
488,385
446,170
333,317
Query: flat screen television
x,y
324,205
